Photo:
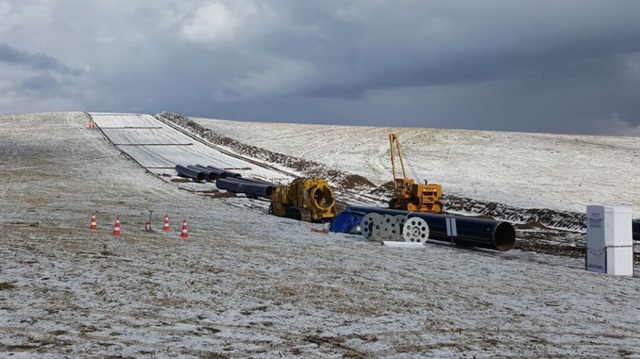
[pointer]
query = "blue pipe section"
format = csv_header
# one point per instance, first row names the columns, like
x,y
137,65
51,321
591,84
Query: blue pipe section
x,y
222,173
253,181
211,175
190,173
248,187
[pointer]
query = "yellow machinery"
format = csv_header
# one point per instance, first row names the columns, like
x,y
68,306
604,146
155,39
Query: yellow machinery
x,y
408,195
306,199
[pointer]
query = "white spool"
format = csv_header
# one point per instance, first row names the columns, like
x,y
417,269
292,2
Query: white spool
x,y
415,230
385,228
366,224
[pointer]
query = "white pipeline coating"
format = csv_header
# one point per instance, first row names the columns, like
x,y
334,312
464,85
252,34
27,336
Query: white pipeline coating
x,y
403,244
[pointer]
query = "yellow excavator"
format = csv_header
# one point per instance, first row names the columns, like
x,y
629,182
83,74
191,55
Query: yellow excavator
x,y
305,199
408,195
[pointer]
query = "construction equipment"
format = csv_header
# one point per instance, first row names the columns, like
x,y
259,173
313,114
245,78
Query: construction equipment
x,y
407,194
306,199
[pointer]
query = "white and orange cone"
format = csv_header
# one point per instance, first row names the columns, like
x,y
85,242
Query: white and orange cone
x,y
116,227
147,227
184,233
93,225
165,226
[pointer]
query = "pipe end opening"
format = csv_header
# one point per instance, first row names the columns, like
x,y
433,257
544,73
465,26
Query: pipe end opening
x,y
505,236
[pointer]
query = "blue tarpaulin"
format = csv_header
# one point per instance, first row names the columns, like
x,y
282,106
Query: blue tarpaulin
x,y
346,221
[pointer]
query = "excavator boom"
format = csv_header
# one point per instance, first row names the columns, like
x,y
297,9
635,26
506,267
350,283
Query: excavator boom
x,y
395,147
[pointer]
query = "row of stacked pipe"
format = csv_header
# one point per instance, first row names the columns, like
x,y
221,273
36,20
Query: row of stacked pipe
x,y
226,180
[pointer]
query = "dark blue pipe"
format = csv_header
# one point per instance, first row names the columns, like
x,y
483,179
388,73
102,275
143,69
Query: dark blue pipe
x,y
253,181
190,173
209,174
240,186
483,233
219,173
222,173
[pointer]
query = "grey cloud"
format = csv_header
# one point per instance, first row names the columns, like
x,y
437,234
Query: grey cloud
x,y
37,61
475,51
41,83
556,66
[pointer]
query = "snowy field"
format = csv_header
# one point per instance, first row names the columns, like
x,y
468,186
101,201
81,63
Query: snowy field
x,y
247,284
526,170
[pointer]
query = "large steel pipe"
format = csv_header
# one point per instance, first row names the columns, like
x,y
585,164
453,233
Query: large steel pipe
x,y
252,180
483,233
240,186
222,173
190,173
209,174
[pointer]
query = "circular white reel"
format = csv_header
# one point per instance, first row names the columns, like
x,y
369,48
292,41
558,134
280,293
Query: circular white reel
x,y
415,230
385,228
366,224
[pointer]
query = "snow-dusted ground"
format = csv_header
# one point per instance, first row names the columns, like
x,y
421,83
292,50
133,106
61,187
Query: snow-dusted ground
x,y
247,284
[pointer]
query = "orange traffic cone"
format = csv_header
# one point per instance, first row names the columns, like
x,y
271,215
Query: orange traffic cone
x,y
165,226
147,227
93,226
184,234
116,227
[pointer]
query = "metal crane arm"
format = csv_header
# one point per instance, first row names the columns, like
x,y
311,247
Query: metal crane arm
x,y
394,143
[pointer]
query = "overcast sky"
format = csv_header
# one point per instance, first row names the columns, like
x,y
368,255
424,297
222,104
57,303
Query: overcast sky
x,y
536,66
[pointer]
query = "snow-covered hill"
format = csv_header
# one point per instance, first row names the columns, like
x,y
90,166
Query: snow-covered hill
x,y
248,284
526,170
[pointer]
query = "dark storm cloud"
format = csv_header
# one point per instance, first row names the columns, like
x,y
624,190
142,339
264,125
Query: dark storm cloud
x,y
44,83
36,61
475,51
544,66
